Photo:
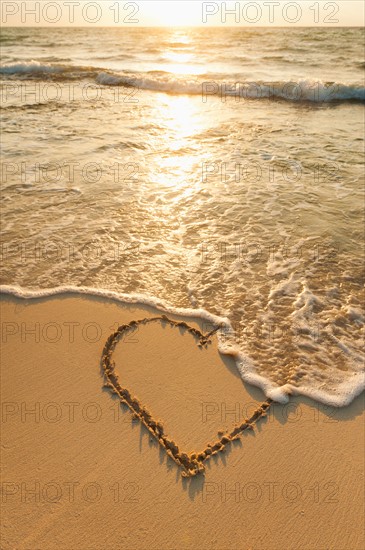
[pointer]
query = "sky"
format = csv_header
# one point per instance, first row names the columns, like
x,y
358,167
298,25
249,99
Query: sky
x,y
170,13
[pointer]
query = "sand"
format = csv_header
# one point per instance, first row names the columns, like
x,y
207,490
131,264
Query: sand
x,y
79,472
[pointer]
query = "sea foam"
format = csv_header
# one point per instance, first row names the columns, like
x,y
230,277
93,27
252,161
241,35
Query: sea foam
x,y
340,397
304,90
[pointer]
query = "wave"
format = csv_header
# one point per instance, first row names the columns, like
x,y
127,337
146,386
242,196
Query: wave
x,y
37,69
342,396
305,90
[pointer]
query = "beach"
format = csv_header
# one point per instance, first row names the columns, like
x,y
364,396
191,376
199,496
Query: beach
x,y
218,170
182,281
79,472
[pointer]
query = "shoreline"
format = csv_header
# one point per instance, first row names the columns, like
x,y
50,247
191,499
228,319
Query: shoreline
x,y
76,464
346,392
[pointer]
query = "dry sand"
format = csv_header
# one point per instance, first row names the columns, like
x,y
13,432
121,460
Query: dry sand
x,y
79,473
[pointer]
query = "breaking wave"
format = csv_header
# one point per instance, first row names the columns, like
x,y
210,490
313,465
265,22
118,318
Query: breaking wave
x,y
305,90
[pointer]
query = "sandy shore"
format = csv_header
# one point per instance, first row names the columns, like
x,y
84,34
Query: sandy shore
x,y
78,472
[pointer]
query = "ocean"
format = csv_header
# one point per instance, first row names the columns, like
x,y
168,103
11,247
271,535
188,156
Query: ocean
x,y
216,172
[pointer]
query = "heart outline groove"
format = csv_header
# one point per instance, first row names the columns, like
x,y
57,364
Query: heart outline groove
x,y
192,463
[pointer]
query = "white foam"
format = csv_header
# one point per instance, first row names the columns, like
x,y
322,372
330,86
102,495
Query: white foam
x,y
341,397
117,296
30,67
345,392
304,90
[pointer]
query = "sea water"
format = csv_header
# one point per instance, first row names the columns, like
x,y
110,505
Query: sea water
x,y
215,172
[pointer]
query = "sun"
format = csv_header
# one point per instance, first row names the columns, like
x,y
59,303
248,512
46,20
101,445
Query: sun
x,y
179,13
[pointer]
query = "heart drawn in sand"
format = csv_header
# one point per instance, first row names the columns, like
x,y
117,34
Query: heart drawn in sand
x,y
191,463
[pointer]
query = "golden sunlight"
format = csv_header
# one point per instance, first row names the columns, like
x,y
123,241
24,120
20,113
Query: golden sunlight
x,y
183,120
176,14
181,60
181,117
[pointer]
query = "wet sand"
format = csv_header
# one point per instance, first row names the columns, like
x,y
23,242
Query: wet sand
x,y
81,470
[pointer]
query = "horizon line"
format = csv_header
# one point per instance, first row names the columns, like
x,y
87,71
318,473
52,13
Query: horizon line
x,y
183,27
